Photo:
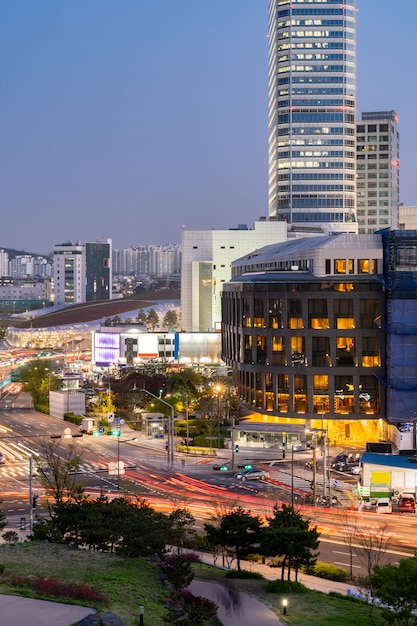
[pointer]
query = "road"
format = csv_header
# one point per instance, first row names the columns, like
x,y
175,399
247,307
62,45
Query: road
x,y
195,486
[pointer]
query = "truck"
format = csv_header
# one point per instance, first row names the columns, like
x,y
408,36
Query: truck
x,y
88,425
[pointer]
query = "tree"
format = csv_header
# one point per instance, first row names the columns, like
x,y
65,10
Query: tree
x,y
238,532
38,379
141,317
372,544
170,319
290,536
396,586
348,528
182,527
152,319
2,518
58,473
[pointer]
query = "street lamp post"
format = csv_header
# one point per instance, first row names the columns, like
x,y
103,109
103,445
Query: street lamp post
x,y
170,448
292,476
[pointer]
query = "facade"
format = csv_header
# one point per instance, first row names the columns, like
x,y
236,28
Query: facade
x,y
69,273
4,263
312,100
400,283
302,331
132,345
18,295
207,257
378,171
153,261
407,217
98,271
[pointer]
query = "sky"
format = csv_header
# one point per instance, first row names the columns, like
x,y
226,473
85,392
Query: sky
x,y
132,119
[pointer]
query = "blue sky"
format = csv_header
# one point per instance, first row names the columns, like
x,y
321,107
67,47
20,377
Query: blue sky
x,y
131,118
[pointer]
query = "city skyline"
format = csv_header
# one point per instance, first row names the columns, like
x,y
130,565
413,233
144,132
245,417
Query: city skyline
x,y
131,123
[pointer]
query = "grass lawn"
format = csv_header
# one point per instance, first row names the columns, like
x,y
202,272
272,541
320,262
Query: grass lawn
x,y
304,609
128,584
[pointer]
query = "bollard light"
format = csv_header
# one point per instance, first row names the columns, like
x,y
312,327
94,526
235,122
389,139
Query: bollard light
x,y
284,605
141,615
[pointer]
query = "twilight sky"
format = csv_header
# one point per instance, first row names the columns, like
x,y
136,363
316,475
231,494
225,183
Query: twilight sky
x,y
130,118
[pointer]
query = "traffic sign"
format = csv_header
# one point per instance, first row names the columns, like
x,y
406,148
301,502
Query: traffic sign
x,y
101,430
335,483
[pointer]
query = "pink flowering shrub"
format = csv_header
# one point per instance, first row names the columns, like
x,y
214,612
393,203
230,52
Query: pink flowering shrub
x,y
53,587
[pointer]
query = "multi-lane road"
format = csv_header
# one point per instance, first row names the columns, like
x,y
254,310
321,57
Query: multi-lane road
x,y
191,483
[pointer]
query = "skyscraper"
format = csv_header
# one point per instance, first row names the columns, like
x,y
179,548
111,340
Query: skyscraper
x,y
378,171
312,94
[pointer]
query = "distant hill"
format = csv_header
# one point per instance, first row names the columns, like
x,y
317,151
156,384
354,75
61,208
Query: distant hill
x,y
14,253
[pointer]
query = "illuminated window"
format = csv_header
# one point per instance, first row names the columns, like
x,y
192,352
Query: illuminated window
x,y
320,382
340,266
295,322
364,266
344,287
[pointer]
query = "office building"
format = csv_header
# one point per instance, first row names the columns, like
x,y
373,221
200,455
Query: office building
x,y
206,261
407,217
69,273
98,268
378,171
312,100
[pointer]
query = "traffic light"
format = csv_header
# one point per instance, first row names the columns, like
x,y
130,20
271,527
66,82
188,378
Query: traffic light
x,y
34,501
236,448
115,433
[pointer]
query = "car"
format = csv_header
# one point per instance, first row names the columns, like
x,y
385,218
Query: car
x,y
383,505
356,469
407,504
252,474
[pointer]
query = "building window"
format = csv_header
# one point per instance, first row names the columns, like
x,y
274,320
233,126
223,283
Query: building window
x,y
317,314
320,353
340,266
278,351
345,352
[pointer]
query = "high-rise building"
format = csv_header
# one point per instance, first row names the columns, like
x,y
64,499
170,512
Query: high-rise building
x,y
98,268
312,94
378,171
69,273
4,263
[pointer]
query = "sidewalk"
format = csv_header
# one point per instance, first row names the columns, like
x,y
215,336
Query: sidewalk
x,y
21,611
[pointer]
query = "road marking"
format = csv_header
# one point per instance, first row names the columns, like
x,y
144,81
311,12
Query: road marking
x,y
345,553
346,564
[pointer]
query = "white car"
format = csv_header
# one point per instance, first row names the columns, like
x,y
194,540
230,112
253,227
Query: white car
x,y
356,469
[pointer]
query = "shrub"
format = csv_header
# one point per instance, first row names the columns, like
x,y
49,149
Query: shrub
x,y
327,571
190,610
73,418
2,568
10,536
53,587
243,573
285,586
254,558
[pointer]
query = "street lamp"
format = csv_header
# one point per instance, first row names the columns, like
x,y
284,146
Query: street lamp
x,y
218,389
170,448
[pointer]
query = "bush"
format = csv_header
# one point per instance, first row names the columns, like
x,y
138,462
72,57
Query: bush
x,y
55,588
243,573
285,586
10,536
2,568
73,418
327,571
254,558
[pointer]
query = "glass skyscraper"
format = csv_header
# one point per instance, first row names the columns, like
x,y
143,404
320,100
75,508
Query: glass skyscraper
x,y
312,100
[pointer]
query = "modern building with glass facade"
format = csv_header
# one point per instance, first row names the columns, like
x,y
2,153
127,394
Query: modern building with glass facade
x,y
312,100
378,171
98,265
303,331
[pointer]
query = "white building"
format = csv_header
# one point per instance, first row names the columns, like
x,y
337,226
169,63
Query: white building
x,y
4,263
206,261
378,171
407,217
69,273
